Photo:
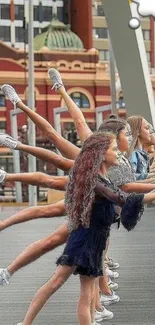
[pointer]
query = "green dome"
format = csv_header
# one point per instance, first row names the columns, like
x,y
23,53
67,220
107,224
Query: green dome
x,y
57,36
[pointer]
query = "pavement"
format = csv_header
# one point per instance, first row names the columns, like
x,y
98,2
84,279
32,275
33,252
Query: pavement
x,y
135,252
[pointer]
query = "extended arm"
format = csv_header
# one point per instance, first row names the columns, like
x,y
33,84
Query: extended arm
x,y
137,187
117,197
37,178
47,155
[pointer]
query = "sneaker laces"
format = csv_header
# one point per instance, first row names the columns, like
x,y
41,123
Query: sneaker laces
x,y
55,78
56,86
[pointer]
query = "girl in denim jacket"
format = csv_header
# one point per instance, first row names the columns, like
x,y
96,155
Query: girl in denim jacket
x,y
138,157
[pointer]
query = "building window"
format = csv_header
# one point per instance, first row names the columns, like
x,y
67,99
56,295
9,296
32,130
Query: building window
x,y
100,32
46,13
36,13
36,31
5,33
104,55
148,56
2,126
100,11
80,100
60,14
19,12
146,35
120,102
69,133
4,11
21,34
2,100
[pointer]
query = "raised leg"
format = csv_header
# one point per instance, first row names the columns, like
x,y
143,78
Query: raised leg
x,y
39,248
79,120
65,147
47,155
31,213
82,128
37,178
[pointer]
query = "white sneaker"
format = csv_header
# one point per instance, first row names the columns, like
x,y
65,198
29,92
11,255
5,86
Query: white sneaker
x,y
7,141
2,175
109,299
111,263
111,274
20,324
4,276
103,315
98,318
11,94
55,78
112,285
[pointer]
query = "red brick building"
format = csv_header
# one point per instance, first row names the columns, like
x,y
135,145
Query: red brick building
x,y
72,53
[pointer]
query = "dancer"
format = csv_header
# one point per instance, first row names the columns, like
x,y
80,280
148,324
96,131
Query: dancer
x,y
77,112
58,237
111,121
139,158
129,186
92,215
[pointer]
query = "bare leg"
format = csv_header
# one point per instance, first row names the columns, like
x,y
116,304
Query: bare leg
x,y
103,284
82,128
39,248
65,147
46,291
47,155
85,301
37,178
36,212
107,246
93,304
98,305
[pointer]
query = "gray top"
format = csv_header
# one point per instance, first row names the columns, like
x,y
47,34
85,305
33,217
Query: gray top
x,y
123,173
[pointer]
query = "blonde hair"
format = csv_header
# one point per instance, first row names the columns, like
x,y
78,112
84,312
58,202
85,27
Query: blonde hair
x,y
135,123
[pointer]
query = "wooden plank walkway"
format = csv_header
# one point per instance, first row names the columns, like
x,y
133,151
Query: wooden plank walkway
x,y
134,251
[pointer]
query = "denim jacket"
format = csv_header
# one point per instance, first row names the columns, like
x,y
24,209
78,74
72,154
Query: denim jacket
x,y
140,163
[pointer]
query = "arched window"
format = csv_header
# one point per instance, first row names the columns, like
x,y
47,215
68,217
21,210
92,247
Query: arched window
x,y
2,99
80,100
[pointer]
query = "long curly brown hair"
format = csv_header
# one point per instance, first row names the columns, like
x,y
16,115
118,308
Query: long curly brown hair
x,y
80,193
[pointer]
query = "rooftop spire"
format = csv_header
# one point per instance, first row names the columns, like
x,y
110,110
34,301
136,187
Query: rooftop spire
x,y
55,9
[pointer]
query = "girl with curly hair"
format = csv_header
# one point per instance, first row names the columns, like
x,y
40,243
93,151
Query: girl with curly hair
x,y
90,200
